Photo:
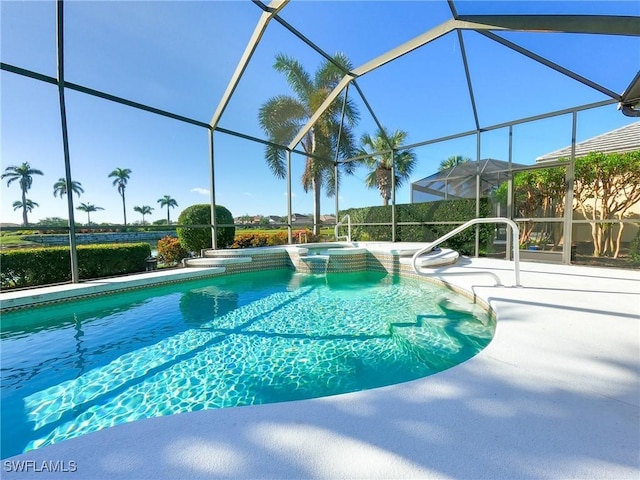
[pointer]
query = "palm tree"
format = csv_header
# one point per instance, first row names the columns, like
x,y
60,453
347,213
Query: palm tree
x,y
60,187
168,202
283,116
121,177
27,205
87,207
144,210
380,165
453,161
24,174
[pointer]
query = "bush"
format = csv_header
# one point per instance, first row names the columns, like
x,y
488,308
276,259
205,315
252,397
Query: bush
x,y
281,237
278,237
195,239
246,240
170,251
41,266
430,212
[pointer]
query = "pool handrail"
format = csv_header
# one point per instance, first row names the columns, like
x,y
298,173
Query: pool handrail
x,y
515,231
341,222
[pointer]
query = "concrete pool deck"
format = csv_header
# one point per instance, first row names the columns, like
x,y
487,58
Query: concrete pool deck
x,y
556,394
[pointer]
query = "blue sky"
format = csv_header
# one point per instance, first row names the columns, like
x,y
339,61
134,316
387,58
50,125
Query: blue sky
x,y
179,56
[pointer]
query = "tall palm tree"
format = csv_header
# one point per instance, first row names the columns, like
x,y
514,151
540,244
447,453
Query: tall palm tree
x,y
144,210
88,207
60,187
168,202
121,178
27,205
283,116
380,165
24,174
453,161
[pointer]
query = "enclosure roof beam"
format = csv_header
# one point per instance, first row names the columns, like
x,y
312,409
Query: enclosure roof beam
x,y
373,115
365,155
272,9
306,40
391,55
409,46
498,126
452,7
318,113
251,138
592,24
632,93
468,76
97,93
550,64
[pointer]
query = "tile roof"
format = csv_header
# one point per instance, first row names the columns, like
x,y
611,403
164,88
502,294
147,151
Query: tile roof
x,y
623,139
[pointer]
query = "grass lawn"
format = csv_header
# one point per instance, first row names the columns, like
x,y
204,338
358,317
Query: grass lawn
x,y
14,240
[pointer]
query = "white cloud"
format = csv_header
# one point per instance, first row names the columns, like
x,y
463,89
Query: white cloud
x,y
201,191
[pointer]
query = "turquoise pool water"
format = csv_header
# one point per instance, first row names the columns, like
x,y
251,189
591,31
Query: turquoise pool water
x,y
78,367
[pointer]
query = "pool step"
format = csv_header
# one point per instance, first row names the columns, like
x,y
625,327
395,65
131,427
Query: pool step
x,y
214,261
240,252
435,259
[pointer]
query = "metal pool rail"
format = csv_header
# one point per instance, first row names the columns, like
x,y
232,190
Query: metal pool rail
x,y
514,231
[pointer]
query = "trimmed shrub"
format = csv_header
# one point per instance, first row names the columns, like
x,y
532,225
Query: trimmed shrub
x,y
429,215
246,240
195,239
41,266
281,237
170,251
278,237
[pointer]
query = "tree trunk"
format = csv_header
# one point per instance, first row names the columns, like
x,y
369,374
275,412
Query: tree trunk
x,y
619,239
25,220
383,177
596,234
124,210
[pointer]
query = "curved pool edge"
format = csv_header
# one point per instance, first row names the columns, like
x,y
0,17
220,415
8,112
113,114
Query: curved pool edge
x,y
571,407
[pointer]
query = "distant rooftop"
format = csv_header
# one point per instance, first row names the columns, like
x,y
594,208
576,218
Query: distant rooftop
x,y
624,139
459,181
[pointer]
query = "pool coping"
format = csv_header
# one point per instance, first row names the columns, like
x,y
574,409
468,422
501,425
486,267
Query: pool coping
x,y
554,395
35,297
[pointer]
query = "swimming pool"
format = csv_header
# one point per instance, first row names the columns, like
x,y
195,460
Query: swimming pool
x,y
245,339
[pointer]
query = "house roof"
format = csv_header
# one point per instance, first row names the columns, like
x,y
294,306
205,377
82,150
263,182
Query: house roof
x,y
620,140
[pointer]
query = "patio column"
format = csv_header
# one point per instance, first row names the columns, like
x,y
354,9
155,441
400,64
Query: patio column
x,y
212,189
289,213
510,195
394,223
337,205
477,242
568,196
65,141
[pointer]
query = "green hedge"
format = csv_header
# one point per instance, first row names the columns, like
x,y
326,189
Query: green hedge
x,y
30,267
440,211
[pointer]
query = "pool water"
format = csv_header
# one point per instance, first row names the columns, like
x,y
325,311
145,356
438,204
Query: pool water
x,y
247,339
